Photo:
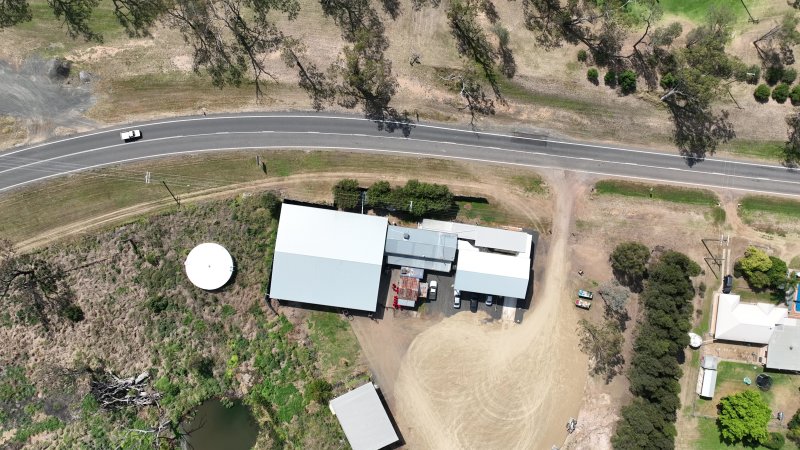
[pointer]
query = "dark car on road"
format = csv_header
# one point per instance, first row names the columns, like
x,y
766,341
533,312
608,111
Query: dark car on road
x,y
473,304
727,284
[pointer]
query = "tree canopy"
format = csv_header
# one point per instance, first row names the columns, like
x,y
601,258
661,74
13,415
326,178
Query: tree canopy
x,y
629,262
654,370
743,417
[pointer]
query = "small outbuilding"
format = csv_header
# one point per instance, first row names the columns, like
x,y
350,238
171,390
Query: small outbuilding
x,y
707,378
364,419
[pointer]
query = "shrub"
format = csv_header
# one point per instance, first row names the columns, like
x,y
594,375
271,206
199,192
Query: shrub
x,y
157,304
346,193
789,75
781,93
773,75
794,428
667,81
627,82
795,95
73,313
629,263
610,79
582,55
776,441
755,70
762,93
379,194
593,75
319,390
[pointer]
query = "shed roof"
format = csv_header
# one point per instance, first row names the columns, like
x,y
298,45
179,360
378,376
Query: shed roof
x,y
424,249
491,273
484,237
746,322
783,352
328,257
709,383
364,419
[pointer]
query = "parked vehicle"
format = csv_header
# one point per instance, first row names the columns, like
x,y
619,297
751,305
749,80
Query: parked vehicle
x,y
585,294
489,300
473,305
432,288
581,303
130,135
457,300
727,284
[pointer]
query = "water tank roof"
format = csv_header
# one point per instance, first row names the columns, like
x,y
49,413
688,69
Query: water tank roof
x,y
209,266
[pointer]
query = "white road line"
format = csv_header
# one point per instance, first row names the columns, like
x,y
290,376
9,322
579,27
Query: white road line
x,y
398,152
435,127
369,136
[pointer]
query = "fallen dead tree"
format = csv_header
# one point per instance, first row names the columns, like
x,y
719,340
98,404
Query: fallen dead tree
x,y
112,392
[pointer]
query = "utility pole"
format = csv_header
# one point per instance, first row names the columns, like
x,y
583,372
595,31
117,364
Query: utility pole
x,y
170,193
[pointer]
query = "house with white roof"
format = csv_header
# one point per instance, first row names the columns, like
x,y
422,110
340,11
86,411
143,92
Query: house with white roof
x,y
746,322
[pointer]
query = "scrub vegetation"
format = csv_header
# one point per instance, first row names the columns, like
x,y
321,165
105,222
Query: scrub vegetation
x,y
143,316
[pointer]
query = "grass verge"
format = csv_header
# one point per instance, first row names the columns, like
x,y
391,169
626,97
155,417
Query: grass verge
x,y
657,192
771,205
531,184
768,150
335,344
29,212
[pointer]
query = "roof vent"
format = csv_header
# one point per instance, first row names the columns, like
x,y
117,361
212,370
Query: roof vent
x,y
406,236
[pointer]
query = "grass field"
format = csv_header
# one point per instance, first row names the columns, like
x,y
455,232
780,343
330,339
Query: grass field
x,y
696,10
335,343
772,205
48,38
657,192
484,211
730,376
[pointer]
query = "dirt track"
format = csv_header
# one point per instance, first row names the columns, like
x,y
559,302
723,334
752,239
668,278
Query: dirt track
x,y
464,384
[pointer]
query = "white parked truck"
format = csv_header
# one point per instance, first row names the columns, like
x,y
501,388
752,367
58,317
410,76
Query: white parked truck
x,y
130,135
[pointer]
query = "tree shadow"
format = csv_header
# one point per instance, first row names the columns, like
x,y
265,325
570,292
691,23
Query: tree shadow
x,y
390,120
392,8
698,131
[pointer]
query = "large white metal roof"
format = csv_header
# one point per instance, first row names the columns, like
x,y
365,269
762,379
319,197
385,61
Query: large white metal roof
x,y
491,273
746,322
209,266
328,257
364,419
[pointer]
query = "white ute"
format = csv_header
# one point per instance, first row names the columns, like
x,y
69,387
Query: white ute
x,y
131,135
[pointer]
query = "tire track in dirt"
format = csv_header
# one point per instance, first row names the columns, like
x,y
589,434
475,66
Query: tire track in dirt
x,y
463,385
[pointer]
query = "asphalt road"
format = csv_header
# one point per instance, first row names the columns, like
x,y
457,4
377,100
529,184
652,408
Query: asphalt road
x,y
186,135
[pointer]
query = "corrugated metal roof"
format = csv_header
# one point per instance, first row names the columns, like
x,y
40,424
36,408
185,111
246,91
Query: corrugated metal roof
x,y
484,237
746,322
709,362
419,263
783,352
491,273
709,383
363,419
423,244
328,257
